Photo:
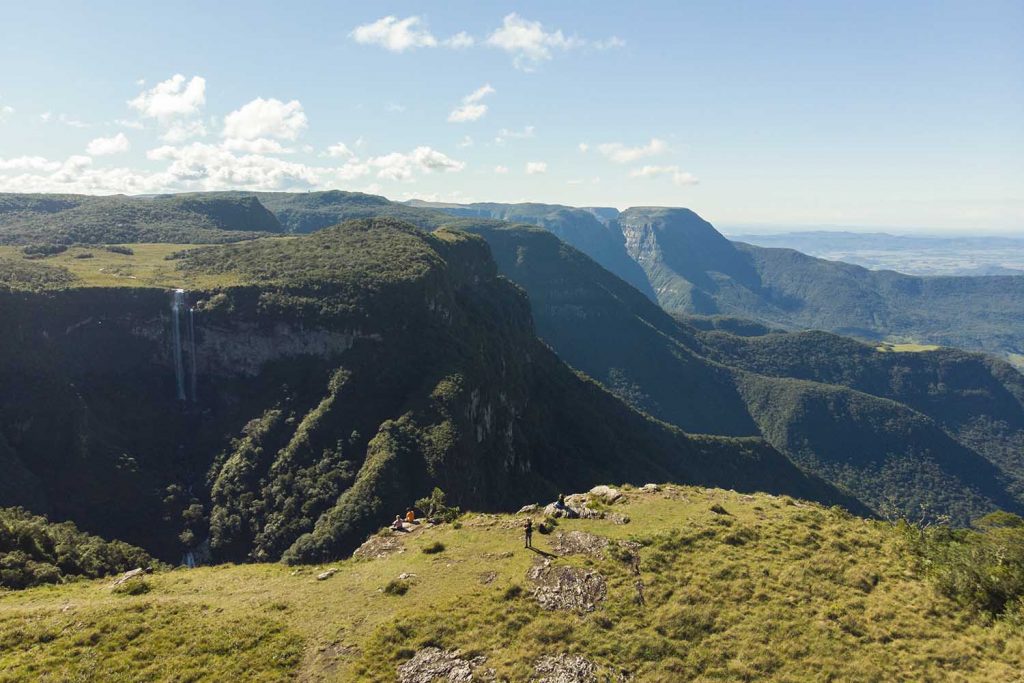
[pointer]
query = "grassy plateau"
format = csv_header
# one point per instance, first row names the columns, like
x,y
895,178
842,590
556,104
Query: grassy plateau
x,y
710,585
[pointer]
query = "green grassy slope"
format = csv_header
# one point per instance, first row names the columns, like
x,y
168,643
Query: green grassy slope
x,y
720,587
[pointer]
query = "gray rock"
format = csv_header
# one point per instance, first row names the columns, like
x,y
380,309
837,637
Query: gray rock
x,y
433,664
323,576
128,576
565,669
567,588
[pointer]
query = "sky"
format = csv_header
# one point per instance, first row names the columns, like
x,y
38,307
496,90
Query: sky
x,y
907,116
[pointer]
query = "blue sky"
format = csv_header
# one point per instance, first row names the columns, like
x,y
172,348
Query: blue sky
x,y
903,115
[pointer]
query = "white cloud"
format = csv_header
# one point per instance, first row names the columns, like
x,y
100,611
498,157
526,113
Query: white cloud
x,y
460,41
467,141
212,167
28,164
501,169
262,118
396,35
171,98
536,167
394,108
339,150
182,131
257,146
399,166
471,108
620,154
506,134
680,178
74,123
106,146
46,116
6,111
125,123
584,147
528,42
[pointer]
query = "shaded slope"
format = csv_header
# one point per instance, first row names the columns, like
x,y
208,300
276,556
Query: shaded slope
x,y
589,230
350,372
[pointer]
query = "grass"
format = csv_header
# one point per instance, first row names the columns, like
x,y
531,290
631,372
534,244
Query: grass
x,y
775,590
906,348
146,267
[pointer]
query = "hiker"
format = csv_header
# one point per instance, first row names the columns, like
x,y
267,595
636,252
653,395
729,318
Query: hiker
x,y
397,524
561,501
410,516
529,533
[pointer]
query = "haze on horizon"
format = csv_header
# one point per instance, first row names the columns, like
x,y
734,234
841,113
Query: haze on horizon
x,y
895,117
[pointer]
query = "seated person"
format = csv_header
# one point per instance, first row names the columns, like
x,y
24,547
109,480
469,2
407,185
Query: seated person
x,y
397,524
410,516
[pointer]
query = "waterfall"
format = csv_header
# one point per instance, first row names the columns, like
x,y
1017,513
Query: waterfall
x,y
179,365
192,352
189,559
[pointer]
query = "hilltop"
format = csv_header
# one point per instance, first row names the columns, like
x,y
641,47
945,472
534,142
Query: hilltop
x,y
701,584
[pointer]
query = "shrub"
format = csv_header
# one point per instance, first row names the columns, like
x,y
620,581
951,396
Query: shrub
x,y
982,569
434,548
512,592
43,250
435,507
118,249
397,587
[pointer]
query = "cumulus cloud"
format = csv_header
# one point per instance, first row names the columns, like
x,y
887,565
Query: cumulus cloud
x,y
621,154
172,98
536,167
257,146
339,150
471,108
507,134
262,118
679,177
28,164
399,166
125,123
583,147
501,170
105,146
528,42
612,43
396,35
6,111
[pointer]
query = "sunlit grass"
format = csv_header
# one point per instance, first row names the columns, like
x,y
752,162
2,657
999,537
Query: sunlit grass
x,y
774,589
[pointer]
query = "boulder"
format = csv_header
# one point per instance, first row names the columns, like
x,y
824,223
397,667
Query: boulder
x,y
606,494
379,547
433,664
128,576
650,488
324,575
531,509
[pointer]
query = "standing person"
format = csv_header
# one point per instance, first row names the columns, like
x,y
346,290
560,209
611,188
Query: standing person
x,y
528,528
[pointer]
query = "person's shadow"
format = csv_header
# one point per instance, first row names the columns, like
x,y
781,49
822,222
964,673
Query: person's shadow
x,y
541,552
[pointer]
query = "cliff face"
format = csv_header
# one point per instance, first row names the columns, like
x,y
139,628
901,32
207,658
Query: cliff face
x,y
364,365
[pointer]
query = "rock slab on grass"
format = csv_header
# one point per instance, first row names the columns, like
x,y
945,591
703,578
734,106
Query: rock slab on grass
x,y
564,669
567,588
433,664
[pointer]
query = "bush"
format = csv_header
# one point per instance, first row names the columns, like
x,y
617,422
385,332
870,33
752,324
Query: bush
x,y
118,249
435,507
396,587
43,250
434,548
982,569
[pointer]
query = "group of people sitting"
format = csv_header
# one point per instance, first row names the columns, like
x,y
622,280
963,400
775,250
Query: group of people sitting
x,y
399,523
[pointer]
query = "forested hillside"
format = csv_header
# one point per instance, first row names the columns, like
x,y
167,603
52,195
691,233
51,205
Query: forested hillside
x,y
328,383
